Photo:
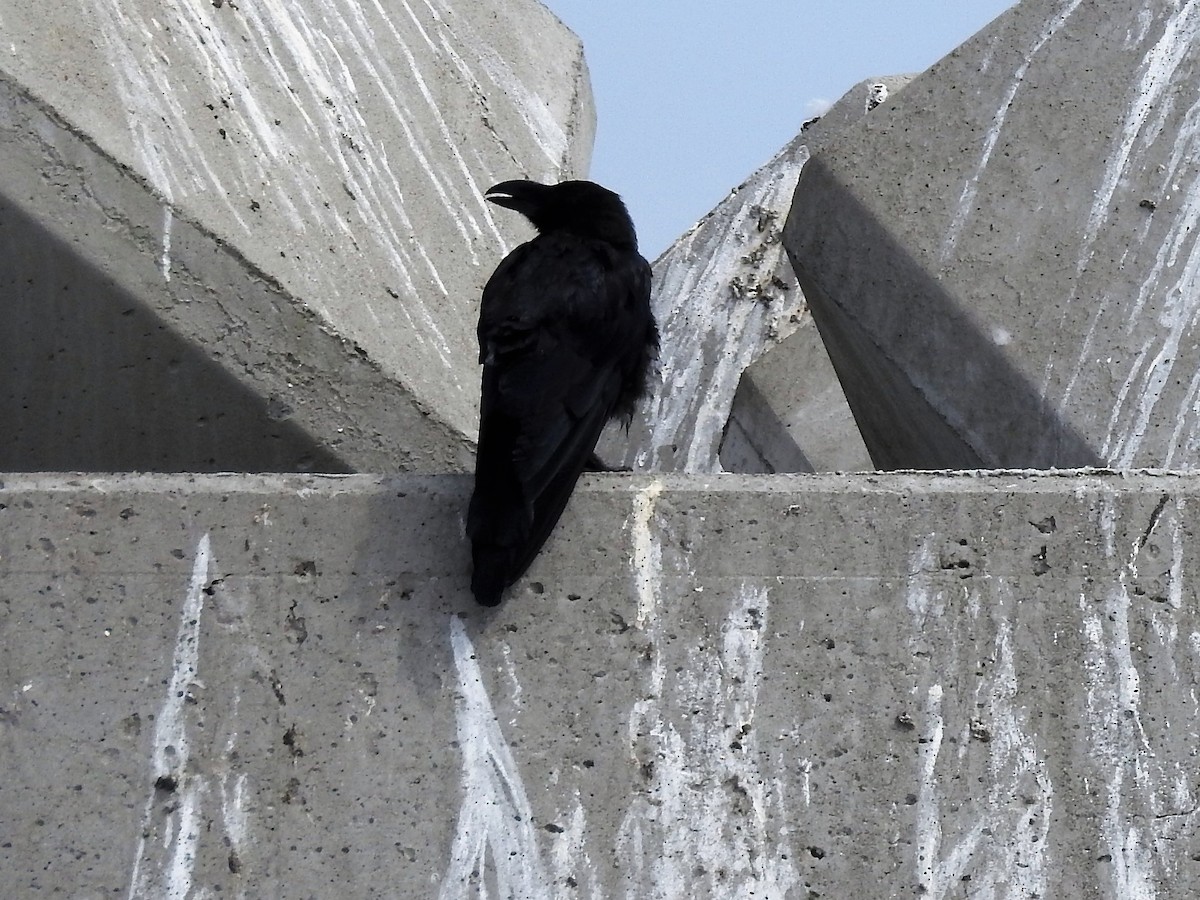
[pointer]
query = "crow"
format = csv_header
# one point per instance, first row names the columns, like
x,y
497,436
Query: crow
x,y
567,340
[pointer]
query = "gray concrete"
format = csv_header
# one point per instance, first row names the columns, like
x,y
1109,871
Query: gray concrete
x,y
252,236
790,413
1003,258
977,685
724,294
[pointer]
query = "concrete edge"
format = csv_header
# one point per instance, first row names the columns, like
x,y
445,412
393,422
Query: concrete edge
x,y
965,481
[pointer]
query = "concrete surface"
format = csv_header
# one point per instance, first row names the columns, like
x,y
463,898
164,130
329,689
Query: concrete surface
x,y
976,684
721,293
724,294
1002,259
789,413
284,202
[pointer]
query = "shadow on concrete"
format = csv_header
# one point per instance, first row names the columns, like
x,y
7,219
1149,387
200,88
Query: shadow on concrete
x,y
410,573
939,394
93,380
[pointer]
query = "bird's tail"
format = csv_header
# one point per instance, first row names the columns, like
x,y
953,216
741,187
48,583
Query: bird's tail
x,y
490,575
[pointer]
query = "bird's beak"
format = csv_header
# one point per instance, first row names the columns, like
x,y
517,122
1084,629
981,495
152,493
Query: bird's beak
x,y
505,193
518,195
498,195
500,198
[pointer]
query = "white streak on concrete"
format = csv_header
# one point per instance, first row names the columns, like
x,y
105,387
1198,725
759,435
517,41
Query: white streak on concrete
x,y
511,671
1158,72
742,650
937,873
1133,39
1173,280
931,870
966,200
1014,818
919,591
164,260
170,752
152,105
495,835
224,67
989,53
534,112
1119,646
647,553
1113,717
233,809
1151,101
274,73
1012,815
569,858
1112,433
1131,870
1184,438
1175,589
234,815
471,197
424,147
182,865
342,130
1018,852
708,821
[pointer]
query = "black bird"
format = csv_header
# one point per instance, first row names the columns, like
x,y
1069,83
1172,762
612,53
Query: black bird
x,y
566,339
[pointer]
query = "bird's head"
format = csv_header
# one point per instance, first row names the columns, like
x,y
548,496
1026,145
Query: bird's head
x,y
582,207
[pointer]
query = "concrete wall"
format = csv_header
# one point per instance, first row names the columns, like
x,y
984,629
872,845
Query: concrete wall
x,y
288,200
790,414
980,684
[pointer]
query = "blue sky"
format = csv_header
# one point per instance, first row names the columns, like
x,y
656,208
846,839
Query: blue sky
x,y
692,96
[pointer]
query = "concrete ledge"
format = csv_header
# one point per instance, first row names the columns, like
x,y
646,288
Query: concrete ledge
x,y
706,686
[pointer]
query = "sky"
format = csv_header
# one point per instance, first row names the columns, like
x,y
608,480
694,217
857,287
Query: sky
x,y
694,95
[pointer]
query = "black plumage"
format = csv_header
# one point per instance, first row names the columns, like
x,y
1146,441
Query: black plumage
x,y
566,339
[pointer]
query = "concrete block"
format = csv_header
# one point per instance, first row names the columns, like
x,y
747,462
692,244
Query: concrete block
x,y
724,294
1002,259
789,413
706,686
253,236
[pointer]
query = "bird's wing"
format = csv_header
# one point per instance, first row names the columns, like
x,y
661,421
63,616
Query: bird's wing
x,y
552,330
